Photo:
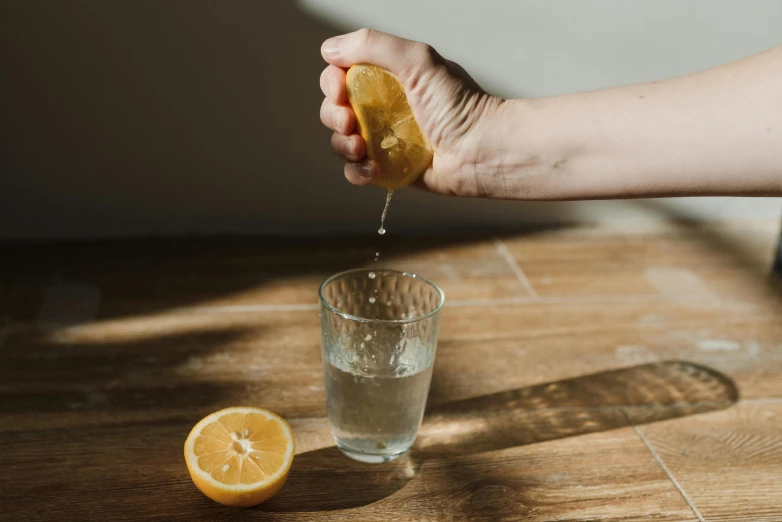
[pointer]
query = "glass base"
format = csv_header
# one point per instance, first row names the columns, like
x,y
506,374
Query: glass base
x,y
370,458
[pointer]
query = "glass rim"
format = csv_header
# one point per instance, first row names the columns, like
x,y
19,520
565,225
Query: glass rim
x,y
345,315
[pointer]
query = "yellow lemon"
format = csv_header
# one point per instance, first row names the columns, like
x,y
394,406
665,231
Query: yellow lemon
x,y
387,124
240,456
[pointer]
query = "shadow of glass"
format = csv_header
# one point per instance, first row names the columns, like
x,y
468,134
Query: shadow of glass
x,y
325,480
588,404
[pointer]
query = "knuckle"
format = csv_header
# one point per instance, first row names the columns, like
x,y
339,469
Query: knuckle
x,y
326,113
324,83
425,53
365,35
423,58
337,119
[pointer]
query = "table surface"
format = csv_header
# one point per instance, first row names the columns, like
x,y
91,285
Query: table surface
x,y
591,374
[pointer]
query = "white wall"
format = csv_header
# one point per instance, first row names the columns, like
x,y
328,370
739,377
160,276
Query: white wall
x,y
128,118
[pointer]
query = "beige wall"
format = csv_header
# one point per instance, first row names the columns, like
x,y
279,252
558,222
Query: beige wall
x,y
163,117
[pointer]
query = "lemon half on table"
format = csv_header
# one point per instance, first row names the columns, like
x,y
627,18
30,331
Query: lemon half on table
x,y
387,124
240,456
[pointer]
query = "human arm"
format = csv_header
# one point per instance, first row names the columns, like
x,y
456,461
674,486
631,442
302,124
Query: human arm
x,y
716,132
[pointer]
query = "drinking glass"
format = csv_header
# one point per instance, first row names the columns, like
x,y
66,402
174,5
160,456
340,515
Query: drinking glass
x,y
379,332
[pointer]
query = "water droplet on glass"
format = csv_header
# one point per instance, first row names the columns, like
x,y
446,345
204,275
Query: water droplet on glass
x,y
372,300
371,275
362,345
368,337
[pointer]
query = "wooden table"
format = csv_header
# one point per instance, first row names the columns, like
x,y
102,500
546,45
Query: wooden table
x,y
585,374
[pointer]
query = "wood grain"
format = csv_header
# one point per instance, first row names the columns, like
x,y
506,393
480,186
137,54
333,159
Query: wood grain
x,y
715,263
136,471
252,272
727,460
533,402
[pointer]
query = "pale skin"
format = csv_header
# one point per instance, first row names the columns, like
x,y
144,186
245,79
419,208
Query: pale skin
x,y
712,133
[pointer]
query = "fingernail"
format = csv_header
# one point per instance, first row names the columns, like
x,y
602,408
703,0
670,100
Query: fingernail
x,y
330,47
365,170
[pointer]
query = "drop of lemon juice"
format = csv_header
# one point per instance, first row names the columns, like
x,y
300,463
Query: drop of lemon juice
x,y
382,229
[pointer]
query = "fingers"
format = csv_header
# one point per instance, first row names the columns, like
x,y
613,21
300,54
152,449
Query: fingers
x,y
362,173
338,118
333,85
395,54
405,58
350,148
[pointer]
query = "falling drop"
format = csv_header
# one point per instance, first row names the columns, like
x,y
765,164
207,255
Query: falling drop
x,y
382,229
371,300
371,275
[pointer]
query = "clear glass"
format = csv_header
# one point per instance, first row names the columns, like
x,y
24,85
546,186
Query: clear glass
x,y
379,341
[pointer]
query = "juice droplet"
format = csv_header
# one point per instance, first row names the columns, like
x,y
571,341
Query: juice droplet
x,y
371,275
372,300
382,229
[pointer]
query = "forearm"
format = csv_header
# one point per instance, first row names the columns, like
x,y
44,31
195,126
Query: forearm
x,y
717,132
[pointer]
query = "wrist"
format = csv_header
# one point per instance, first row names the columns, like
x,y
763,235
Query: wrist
x,y
524,157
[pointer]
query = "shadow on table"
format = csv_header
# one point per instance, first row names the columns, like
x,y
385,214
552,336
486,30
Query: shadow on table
x,y
326,480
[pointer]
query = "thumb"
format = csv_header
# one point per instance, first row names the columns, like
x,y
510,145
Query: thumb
x,y
401,57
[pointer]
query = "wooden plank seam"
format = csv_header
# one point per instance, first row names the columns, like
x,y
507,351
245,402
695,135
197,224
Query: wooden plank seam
x,y
664,467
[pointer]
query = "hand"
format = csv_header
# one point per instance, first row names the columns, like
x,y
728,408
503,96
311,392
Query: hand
x,y
453,112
